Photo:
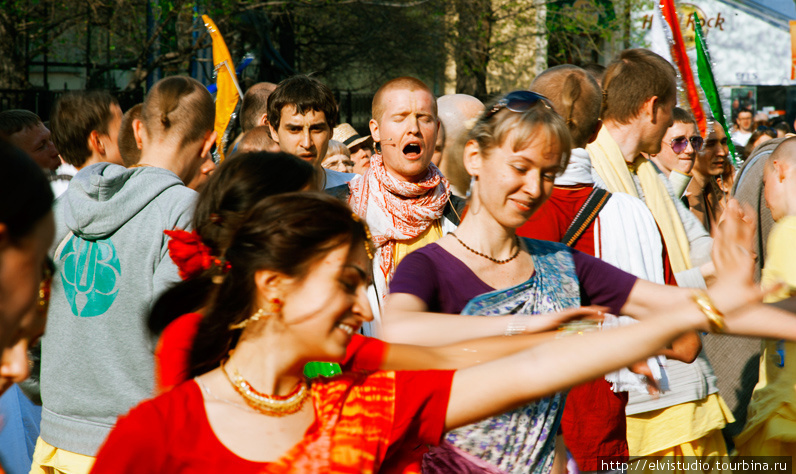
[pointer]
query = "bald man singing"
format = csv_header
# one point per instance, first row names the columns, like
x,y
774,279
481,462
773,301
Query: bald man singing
x,y
403,196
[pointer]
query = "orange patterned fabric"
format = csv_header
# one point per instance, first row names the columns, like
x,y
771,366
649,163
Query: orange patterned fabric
x,y
354,420
364,422
395,209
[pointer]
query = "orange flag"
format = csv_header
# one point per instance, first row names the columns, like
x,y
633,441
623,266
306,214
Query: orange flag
x,y
793,49
228,92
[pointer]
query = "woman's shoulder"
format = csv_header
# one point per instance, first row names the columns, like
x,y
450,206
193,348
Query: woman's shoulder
x,y
541,247
149,429
429,256
180,401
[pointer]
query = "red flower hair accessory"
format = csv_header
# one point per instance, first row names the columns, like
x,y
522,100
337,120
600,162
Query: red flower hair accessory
x,y
191,255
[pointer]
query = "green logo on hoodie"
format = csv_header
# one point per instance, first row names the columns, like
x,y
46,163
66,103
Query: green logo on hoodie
x,y
90,275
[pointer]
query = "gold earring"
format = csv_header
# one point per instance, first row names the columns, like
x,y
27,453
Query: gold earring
x,y
274,309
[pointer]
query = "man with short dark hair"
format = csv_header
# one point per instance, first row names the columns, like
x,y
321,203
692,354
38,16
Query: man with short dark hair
x,y
680,146
301,115
743,128
86,128
26,131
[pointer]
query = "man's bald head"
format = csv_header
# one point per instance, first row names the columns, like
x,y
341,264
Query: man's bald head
x,y
254,108
785,152
457,112
576,96
401,83
780,180
257,139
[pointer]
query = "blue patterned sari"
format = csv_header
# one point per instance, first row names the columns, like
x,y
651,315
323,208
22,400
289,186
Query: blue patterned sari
x,y
522,440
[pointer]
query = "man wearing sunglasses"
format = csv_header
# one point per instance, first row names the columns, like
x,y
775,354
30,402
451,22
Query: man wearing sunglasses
x,y
705,197
680,146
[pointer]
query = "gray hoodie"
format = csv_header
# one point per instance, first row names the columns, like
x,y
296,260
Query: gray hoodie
x,y
112,262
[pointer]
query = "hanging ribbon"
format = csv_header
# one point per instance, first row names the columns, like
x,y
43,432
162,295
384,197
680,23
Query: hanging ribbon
x,y
684,64
708,84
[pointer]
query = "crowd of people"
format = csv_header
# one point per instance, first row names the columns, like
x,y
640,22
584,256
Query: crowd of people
x,y
511,287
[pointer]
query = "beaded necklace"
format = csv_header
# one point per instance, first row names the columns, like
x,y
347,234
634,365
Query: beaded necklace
x,y
499,262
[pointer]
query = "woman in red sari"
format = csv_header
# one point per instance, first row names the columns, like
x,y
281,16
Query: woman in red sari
x,y
295,291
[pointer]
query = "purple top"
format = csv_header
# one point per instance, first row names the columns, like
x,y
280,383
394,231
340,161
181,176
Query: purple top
x,y
446,284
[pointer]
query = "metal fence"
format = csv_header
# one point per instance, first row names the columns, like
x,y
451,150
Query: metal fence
x,y
41,102
355,109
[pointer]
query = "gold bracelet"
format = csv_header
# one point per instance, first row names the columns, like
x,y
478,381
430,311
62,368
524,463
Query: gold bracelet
x,y
715,317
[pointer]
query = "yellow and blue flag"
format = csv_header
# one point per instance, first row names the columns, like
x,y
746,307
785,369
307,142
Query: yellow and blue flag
x,y
228,92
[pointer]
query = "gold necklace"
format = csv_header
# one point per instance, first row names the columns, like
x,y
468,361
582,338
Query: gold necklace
x,y
271,405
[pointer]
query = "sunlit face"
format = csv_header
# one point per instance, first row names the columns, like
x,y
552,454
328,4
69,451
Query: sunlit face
x,y
360,155
407,131
711,160
304,135
658,128
22,319
339,162
683,161
38,144
324,308
744,121
512,185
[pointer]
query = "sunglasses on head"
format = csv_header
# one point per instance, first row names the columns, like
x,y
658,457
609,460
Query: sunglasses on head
x,y
679,144
518,101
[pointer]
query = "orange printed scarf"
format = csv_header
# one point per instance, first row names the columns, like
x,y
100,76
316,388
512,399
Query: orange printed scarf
x,y
396,210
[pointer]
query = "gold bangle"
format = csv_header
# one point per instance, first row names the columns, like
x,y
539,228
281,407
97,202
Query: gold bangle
x,y
715,317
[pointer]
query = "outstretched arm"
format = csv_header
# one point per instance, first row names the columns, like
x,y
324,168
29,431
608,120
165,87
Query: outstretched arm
x,y
406,321
461,354
488,389
494,387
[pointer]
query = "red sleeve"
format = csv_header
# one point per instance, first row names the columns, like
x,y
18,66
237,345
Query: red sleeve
x,y
137,444
364,353
173,351
421,405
